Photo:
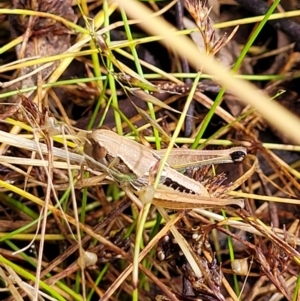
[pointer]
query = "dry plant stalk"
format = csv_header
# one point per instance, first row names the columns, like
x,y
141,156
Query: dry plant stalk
x,y
200,13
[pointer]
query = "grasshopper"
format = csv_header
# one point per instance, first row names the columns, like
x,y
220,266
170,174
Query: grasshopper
x,y
127,161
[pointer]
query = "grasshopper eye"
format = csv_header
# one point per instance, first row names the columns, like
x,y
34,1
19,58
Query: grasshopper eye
x,y
238,156
99,152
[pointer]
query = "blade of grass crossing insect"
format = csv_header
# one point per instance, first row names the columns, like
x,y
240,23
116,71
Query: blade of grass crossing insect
x,y
177,130
162,211
145,211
